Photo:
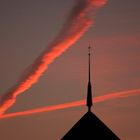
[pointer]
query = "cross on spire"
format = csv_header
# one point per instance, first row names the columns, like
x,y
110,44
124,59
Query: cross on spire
x,y
89,60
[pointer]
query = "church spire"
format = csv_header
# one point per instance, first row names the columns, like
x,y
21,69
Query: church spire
x,y
89,89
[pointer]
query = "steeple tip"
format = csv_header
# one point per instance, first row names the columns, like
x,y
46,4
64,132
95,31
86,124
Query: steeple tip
x,y
89,89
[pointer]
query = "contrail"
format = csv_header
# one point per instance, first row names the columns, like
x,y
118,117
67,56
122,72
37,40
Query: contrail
x,y
111,96
77,23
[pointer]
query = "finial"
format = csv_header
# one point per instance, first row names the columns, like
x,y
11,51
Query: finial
x,y
89,60
89,90
89,49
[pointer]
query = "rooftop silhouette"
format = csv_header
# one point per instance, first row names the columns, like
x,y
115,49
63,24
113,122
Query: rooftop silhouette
x,y
90,127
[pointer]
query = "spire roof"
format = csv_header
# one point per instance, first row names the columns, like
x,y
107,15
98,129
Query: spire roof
x,y
90,127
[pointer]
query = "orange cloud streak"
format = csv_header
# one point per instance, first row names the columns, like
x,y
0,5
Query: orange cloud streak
x,y
98,99
76,25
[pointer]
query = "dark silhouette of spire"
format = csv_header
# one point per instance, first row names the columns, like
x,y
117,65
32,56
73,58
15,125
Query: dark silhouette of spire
x,y
89,89
90,127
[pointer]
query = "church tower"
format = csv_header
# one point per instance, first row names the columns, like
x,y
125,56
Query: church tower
x,y
90,127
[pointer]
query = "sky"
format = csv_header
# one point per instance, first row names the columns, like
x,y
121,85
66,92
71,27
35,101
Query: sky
x,y
26,30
